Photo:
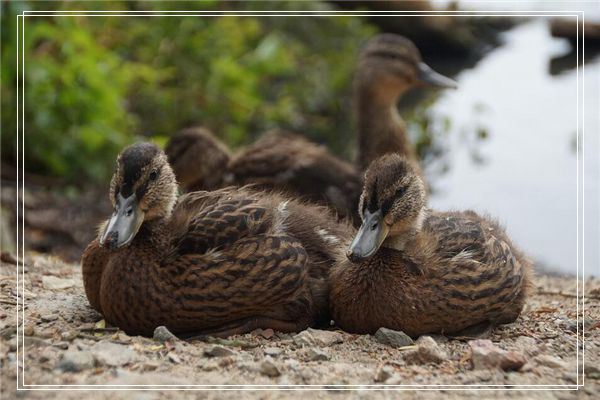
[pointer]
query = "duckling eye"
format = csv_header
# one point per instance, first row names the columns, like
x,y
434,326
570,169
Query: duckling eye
x,y
374,226
400,191
153,175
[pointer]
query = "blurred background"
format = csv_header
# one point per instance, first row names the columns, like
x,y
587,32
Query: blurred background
x,y
504,143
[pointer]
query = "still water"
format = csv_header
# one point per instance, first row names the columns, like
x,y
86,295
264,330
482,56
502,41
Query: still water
x,y
525,173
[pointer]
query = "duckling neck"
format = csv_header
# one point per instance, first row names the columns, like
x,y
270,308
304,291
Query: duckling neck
x,y
401,242
152,236
405,239
381,130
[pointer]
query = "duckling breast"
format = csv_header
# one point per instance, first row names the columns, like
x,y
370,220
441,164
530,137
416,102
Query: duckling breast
x,y
383,291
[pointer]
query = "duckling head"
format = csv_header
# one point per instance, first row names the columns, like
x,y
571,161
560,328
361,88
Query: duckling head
x,y
391,64
143,188
391,205
198,158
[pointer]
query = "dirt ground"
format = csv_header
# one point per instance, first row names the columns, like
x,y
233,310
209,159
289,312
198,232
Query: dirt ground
x,y
67,343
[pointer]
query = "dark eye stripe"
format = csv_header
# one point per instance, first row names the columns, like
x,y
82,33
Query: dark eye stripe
x,y
400,191
373,203
387,205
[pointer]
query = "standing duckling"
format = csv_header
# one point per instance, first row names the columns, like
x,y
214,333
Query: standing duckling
x,y
424,271
220,263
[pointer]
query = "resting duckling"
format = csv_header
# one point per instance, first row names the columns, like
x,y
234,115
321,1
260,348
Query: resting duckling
x,y
278,160
388,66
220,263
424,271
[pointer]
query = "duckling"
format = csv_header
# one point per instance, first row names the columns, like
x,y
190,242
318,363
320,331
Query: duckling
x,y
388,66
424,271
219,263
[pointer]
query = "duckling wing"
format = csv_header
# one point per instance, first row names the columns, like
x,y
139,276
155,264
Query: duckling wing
x,y
456,235
205,221
466,235
258,276
481,268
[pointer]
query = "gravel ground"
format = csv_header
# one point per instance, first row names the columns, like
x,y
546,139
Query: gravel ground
x,y
67,343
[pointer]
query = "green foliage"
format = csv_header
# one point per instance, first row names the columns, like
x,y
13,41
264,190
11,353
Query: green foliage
x,y
93,84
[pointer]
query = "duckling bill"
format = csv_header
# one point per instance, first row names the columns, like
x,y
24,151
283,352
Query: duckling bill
x,y
218,263
424,271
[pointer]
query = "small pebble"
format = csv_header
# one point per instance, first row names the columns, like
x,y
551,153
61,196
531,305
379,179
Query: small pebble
x,y
273,351
75,361
68,335
316,354
550,361
393,338
218,351
592,371
395,380
268,368
427,352
485,355
162,334
46,333
49,317
317,337
384,373
114,354
62,345
174,358
53,283
12,344
570,376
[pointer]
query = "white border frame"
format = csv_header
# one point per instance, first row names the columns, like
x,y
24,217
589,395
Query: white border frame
x,y
20,178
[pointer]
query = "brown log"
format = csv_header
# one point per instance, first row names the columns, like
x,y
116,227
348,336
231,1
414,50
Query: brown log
x,y
434,35
567,28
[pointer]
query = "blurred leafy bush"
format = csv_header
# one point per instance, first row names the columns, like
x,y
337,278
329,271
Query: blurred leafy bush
x,y
93,84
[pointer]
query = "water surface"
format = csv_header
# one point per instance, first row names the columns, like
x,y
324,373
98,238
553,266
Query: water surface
x,y
525,171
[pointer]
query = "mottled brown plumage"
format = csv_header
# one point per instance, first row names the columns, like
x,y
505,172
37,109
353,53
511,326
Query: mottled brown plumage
x,y
388,66
424,271
219,263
